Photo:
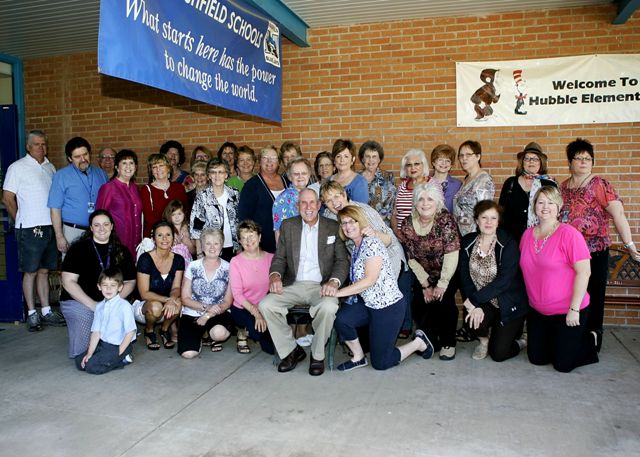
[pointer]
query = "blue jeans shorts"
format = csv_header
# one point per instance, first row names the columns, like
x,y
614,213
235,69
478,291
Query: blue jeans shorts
x,y
36,248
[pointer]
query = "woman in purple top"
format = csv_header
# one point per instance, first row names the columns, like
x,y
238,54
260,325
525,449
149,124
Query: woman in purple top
x,y
121,198
442,158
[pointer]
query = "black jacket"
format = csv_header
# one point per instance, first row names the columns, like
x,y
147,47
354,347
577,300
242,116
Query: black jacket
x,y
507,287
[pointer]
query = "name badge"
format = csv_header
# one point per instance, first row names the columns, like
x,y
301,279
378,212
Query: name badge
x,y
91,207
331,239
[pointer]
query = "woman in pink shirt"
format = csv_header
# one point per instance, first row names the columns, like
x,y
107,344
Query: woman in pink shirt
x,y
249,278
555,263
121,198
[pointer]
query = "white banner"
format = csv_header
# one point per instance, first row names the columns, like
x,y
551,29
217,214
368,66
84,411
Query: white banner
x,y
564,90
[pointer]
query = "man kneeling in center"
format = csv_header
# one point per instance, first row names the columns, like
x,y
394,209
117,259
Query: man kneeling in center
x,y
309,266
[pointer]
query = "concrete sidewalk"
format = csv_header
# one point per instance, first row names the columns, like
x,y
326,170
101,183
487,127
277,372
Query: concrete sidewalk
x,y
228,404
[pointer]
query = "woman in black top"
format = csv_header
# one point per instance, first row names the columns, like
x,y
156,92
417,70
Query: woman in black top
x,y
492,282
159,279
518,191
97,249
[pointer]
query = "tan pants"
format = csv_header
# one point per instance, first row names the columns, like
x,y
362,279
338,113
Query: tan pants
x,y
274,309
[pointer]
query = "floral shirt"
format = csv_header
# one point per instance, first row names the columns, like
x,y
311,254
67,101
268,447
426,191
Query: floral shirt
x,y
479,188
385,291
382,194
285,206
209,291
208,212
585,209
429,250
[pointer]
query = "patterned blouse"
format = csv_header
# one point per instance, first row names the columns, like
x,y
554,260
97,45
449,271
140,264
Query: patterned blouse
x,y
385,291
479,188
285,206
429,250
382,194
209,291
483,269
207,212
585,209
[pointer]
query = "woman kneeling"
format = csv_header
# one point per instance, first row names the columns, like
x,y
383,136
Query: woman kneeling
x,y
374,299
206,297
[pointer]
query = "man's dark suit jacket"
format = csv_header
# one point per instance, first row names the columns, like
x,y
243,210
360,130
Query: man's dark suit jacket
x,y
332,254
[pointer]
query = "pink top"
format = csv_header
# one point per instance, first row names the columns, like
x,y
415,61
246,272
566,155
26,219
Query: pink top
x,y
249,278
549,275
124,203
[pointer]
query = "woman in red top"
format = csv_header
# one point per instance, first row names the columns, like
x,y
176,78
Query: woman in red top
x,y
589,202
160,192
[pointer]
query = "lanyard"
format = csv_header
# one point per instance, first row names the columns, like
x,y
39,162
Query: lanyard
x,y
88,188
102,266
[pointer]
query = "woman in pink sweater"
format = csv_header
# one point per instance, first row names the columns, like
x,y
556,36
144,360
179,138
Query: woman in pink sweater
x,y
249,278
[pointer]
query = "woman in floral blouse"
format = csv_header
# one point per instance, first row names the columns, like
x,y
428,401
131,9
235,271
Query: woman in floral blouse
x,y
431,240
477,186
382,190
589,202
374,300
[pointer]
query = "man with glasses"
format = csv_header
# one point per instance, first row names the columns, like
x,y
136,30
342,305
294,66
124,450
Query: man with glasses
x,y
309,266
106,161
25,193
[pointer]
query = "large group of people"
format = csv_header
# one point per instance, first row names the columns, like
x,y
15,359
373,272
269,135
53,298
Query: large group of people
x,y
220,250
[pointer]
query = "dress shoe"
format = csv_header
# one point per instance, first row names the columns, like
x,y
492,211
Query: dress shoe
x,y
316,367
290,361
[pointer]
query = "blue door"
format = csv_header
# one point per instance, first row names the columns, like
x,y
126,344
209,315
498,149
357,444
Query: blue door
x,y
11,308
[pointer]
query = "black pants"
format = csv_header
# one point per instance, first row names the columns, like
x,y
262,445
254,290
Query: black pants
x,y
502,343
552,341
438,319
244,319
597,289
104,359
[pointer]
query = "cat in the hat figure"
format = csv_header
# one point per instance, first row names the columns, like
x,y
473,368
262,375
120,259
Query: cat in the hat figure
x,y
521,90
485,95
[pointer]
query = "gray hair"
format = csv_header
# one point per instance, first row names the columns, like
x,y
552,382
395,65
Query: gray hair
x,y
433,190
414,153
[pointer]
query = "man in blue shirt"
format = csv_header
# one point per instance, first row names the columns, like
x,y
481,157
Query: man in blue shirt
x,y
73,193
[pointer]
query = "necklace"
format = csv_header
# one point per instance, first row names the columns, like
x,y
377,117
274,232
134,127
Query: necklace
x,y
581,182
492,246
538,247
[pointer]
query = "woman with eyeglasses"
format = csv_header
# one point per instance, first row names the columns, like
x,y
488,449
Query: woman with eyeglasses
x,y
516,197
477,186
258,195
216,207
589,202
442,159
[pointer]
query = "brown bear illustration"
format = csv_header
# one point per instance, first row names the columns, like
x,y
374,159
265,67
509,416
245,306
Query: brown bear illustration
x,y
485,95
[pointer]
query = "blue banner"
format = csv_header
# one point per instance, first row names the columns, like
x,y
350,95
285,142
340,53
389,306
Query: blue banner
x,y
220,52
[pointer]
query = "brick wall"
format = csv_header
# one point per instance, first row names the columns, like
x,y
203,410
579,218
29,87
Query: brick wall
x,y
394,82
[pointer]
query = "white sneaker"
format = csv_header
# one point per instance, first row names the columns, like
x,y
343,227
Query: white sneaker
x,y
448,353
306,340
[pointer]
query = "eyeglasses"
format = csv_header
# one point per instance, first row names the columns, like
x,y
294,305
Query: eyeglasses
x,y
412,164
348,222
465,156
531,159
583,159
269,159
107,157
217,172
442,162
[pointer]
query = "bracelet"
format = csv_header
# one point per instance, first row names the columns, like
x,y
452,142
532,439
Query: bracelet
x,y
629,244
576,310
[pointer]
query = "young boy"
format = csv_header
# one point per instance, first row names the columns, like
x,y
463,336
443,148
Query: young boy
x,y
113,330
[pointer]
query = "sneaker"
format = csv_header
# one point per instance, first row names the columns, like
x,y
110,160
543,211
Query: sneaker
x,y
306,340
33,322
480,352
128,359
349,365
427,353
55,319
448,353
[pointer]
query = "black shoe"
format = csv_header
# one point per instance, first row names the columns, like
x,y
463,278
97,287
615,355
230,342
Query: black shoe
x,y
33,322
291,361
316,367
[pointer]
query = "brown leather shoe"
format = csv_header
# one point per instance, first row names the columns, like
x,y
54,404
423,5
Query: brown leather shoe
x,y
316,367
290,361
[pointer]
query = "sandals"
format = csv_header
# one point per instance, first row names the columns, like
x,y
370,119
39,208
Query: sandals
x,y
167,342
464,336
216,347
243,346
152,341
